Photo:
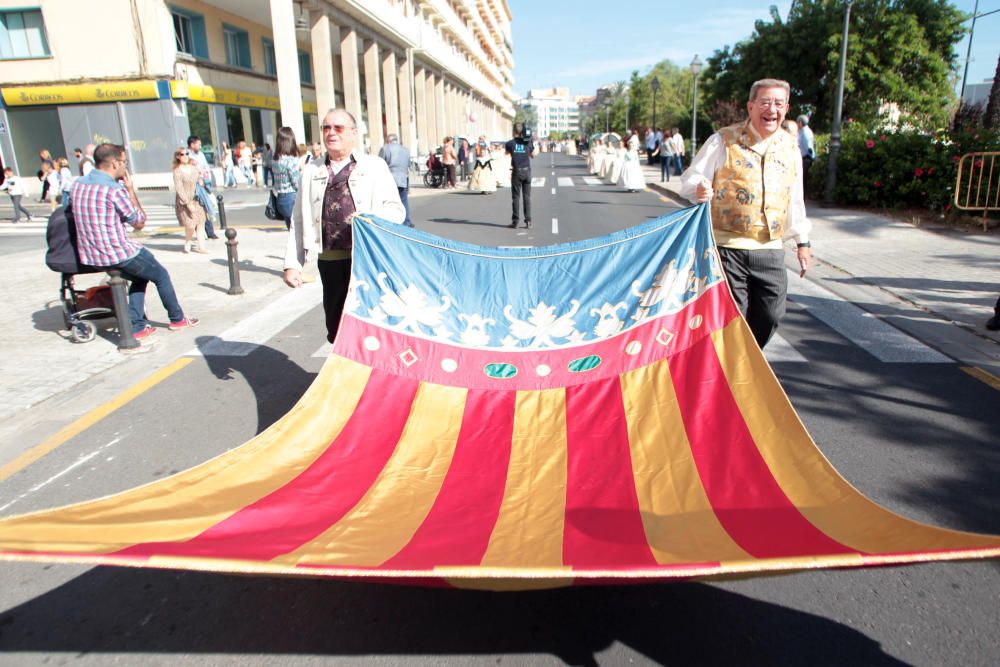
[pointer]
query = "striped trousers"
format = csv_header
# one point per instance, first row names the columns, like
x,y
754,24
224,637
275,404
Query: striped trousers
x,y
759,283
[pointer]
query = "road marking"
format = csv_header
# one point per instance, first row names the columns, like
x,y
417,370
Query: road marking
x,y
553,190
880,339
553,173
76,464
323,352
89,419
779,349
538,182
591,180
555,225
565,182
251,333
983,376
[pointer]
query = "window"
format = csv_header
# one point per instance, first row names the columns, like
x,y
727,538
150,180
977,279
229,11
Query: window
x,y
189,32
305,68
22,34
237,46
270,64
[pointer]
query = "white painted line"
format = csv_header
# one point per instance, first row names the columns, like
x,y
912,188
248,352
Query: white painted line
x,y
779,349
553,173
248,335
553,190
76,464
565,182
538,182
591,180
324,351
555,225
880,339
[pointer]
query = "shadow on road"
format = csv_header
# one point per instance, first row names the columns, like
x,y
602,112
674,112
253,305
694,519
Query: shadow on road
x,y
147,611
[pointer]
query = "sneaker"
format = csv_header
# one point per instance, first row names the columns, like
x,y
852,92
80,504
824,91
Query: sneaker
x,y
144,332
184,324
993,324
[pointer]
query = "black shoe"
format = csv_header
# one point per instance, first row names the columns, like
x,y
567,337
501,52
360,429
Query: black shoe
x,y
513,225
993,324
527,224
213,236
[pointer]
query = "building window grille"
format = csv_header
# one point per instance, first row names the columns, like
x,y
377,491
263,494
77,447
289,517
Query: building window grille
x,y
305,68
270,64
22,34
189,33
237,46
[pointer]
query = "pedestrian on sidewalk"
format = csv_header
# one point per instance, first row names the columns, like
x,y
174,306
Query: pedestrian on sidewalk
x,y
228,166
397,157
666,153
190,214
204,191
521,150
679,150
332,191
104,202
730,170
65,180
807,144
449,157
46,165
86,160
51,171
12,184
286,172
267,160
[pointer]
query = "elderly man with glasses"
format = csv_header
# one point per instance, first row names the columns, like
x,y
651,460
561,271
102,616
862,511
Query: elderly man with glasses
x,y
334,189
752,174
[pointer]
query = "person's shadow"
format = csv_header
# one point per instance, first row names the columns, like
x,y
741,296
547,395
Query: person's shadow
x,y
277,381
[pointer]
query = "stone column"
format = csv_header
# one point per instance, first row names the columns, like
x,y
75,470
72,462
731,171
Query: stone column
x,y
373,91
322,62
423,123
349,71
286,60
440,109
247,125
430,88
390,86
407,122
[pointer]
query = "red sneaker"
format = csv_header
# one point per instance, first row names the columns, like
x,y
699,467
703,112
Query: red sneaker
x,y
184,324
144,332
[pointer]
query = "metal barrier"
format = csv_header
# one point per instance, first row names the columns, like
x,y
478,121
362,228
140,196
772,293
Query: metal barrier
x,y
977,187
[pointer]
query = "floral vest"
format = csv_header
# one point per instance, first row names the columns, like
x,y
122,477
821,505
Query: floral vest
x,y
754,190
338,206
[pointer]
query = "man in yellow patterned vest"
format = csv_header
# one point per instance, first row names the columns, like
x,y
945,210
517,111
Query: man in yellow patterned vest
x,y
752,174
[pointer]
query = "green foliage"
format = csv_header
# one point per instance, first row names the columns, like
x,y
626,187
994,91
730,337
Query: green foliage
x,y
527,115
899,51
901,168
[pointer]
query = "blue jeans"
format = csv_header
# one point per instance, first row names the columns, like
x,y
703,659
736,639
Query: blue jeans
x,y
404,196
665,163
203,193
230,177
286,204
141,270
678,165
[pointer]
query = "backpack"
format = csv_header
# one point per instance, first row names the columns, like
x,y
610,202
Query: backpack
x,y
60,236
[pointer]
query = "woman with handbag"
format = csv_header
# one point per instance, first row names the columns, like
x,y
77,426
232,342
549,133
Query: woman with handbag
x,y
286,172
190,214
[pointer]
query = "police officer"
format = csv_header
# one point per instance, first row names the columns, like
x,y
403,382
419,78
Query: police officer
x,y
521,150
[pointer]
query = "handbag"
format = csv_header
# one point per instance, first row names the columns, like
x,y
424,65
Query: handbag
x,y
271,210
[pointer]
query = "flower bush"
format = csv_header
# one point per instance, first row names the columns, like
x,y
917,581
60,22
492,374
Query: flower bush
x,y
897,167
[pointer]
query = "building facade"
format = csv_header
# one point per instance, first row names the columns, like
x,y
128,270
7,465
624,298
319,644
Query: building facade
x,y
147,73
555,110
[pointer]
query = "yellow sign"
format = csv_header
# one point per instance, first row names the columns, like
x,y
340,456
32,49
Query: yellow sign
x,y
235,98
80,93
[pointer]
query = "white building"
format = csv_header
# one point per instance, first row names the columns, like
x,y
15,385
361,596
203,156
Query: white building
x,y
555,109
147,73
978,93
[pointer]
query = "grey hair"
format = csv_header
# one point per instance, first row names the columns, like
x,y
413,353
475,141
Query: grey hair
x,y
769,83
802,120
392,138
354,122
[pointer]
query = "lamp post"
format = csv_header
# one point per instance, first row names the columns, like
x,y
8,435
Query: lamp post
x,y
607,118
627,133
831,163
695,71
655,85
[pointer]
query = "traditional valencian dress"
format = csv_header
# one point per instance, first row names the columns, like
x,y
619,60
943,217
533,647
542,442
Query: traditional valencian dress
x,y
632,178
483,177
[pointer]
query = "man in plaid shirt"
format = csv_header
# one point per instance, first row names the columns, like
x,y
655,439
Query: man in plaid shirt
x,y
104,201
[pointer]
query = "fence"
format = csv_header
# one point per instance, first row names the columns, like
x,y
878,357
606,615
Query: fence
x,y
977,187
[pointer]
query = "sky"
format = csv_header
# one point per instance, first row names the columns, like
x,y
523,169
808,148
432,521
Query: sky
x,y
584,44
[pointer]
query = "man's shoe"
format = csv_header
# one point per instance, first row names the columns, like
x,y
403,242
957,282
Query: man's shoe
x,y
993,324
527,224
213,236
513,225
144,332
184,324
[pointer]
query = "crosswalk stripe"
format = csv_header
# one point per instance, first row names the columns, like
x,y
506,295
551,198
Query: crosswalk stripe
x,y
538,182
780,350
880,339
565,182
323,352
591,180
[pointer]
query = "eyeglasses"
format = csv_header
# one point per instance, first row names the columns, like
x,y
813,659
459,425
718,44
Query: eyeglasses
x,y
339,129
774,104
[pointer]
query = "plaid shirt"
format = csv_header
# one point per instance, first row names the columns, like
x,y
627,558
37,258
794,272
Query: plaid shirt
x,y
102,207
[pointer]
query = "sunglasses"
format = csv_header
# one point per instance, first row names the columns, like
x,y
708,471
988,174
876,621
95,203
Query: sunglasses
x,y
339,129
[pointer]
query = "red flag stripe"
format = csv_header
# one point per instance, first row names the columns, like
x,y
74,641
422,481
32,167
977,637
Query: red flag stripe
x,y
744,494
302,509
603,523
457,529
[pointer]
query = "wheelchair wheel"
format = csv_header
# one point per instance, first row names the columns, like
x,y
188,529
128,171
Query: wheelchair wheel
x,y
83,331
430,180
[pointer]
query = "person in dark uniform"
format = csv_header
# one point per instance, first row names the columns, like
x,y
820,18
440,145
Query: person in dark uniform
x,y
521,149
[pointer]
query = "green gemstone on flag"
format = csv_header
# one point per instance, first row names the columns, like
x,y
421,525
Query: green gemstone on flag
x,y
500,370
584,364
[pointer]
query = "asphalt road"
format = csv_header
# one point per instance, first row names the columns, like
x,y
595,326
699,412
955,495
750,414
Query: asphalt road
x,y
920,438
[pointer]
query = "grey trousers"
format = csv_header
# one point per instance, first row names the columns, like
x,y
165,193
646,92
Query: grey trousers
x,y
759,283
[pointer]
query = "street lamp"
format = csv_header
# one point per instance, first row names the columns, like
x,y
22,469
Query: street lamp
x,y
627,133
831,161
695,71
655,85
607,118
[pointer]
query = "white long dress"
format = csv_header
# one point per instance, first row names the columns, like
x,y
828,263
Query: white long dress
x,y
632,178
615,170
483,178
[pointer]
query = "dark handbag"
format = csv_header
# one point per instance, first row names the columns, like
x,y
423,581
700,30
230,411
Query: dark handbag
x,y
271,210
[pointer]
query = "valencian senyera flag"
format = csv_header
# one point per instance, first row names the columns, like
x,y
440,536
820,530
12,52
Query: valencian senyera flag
x,y
515,418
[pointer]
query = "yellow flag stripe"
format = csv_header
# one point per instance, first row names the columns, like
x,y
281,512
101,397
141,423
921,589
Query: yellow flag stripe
x,y
808,479
680,525
529,528
182,506
386,518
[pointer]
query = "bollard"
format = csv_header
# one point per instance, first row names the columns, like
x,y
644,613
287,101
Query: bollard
x,y
222,211
126,341
234,261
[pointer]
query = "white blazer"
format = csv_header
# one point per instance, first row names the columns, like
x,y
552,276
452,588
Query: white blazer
x,y
372,187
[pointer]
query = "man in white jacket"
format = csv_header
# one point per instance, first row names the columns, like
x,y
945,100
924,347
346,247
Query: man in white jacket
x,y
332,191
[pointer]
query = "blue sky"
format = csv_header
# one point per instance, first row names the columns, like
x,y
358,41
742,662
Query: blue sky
x,y
587,43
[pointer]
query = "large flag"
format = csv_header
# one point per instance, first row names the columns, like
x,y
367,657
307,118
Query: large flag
x,y
516,418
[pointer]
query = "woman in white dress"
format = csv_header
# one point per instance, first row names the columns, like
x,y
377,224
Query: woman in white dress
x,y
596,148
606,157
483,178
615,168
500,162
632,178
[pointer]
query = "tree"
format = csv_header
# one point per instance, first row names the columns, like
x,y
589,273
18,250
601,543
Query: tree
x,y
991,118
899,52
527,115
